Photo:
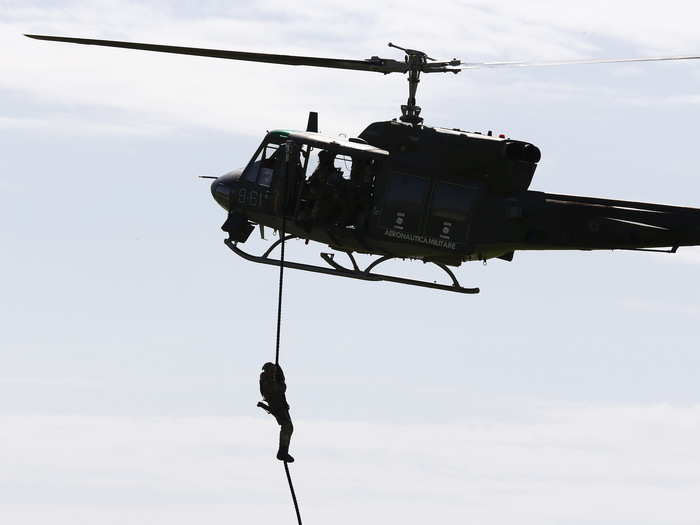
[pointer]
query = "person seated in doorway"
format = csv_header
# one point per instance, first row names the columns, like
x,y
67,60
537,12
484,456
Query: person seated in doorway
x,y
324,187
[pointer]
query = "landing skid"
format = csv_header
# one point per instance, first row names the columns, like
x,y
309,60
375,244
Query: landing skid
x,y
353,273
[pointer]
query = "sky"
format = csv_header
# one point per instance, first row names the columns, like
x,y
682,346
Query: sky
x,y
131,340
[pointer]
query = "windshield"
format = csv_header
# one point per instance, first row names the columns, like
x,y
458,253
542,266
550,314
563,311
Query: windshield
x,y
262,167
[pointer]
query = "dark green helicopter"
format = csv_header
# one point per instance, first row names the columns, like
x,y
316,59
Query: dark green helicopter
x,y
405,190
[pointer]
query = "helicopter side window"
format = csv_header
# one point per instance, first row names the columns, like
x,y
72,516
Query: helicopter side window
x,y
451,209
404,202
451,201
407,191
341,162
344,163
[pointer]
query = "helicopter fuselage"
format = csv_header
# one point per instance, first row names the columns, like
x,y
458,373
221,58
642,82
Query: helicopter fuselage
x,y
438,195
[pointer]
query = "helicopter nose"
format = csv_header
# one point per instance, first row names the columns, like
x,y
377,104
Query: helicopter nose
x,y
222,187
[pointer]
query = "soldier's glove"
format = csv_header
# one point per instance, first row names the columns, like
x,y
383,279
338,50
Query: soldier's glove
x,y
264,407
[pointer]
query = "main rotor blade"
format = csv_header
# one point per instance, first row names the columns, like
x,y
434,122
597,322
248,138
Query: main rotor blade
x,y
379,65
482,65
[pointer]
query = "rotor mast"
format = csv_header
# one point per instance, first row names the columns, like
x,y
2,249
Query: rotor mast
x,y
417,62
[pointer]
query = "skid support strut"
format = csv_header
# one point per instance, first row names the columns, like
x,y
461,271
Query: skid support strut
x,y
355,272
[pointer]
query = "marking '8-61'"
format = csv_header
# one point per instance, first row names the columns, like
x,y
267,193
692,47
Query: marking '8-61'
x,y
250,198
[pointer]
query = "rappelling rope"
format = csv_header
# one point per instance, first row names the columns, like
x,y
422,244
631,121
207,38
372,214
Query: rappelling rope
x,y
283,234
279,293
294,496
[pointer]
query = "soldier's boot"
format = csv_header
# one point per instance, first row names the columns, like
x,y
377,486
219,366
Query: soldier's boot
x,y
284,456
283,452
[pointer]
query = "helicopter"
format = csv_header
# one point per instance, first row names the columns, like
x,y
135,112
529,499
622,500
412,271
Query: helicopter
x,y
405,190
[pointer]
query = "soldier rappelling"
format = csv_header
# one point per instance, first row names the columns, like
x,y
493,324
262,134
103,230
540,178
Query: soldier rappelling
x,y
273,388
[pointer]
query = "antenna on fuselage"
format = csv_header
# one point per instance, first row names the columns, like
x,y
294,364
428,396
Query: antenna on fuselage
x,y
312,124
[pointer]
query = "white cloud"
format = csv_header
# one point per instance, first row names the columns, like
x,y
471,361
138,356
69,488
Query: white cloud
x,y
663,308
247,98
71,126
563,463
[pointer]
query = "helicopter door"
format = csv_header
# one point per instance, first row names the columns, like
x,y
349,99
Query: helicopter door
x,y
403,208
263,180
451,212
256,182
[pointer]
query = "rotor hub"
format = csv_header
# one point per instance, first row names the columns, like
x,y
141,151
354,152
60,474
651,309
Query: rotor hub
x,y
418,62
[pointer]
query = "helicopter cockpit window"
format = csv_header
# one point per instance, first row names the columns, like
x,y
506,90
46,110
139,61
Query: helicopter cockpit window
x,y
265,176
261,169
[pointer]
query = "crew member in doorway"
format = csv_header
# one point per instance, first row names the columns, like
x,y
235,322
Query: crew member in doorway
x,y
360,190
324,184
273,388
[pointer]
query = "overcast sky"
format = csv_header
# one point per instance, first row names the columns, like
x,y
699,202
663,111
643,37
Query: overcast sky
x,y
131,340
